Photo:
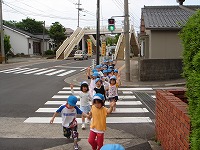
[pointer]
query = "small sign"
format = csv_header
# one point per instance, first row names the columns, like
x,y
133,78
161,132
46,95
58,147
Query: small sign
x,y
103,49
89,44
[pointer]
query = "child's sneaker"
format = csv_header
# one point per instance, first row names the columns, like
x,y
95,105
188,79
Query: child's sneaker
x,y
88,121
83,126
76,147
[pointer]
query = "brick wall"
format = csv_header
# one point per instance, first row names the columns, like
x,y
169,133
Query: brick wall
x,y
159,69
172,120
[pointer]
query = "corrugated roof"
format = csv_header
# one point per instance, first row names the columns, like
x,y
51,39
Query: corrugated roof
x,y
166,17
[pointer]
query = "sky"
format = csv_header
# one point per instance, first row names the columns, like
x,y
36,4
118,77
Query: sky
x,y
66,12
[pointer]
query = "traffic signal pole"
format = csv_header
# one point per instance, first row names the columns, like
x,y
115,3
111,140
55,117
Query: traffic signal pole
x,y
2,33
98,32
127,41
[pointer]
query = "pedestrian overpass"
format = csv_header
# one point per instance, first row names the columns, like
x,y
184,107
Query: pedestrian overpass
x,y
87,33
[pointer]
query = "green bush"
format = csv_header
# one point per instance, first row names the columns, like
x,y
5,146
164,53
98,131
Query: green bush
x,y
49,52
190,36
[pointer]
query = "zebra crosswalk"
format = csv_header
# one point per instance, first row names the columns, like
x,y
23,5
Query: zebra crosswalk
x,y
130,109
40,71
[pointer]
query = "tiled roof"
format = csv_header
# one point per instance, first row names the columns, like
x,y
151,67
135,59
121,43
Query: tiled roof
x,y
167,17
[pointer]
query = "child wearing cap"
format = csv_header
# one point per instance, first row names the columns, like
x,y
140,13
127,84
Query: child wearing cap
x,y
68,113
85,99
98,68
98,114
117,74
99,88
113,91
92,81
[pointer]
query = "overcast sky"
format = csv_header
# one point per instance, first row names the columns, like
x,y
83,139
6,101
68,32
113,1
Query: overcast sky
x,y
65,12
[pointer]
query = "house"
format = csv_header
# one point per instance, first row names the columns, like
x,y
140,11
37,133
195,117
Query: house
x,y
27,43
161,49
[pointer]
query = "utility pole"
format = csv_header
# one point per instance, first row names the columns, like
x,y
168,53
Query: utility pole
x,y
43,37
2,34
127,41
79,9
98,32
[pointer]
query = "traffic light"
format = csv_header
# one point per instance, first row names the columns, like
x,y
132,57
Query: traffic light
x,y
111,24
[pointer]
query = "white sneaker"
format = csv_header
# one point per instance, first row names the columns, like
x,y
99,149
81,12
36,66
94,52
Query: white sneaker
x,y
83,126
88,121
76,147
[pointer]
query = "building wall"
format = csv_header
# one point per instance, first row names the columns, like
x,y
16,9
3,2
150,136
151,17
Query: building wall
x,y
19,42
159,69
164,45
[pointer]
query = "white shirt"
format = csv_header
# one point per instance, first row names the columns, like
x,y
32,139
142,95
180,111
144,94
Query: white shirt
x,y
68,115
85,98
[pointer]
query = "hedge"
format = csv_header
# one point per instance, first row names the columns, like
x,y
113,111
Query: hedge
x,y
190,36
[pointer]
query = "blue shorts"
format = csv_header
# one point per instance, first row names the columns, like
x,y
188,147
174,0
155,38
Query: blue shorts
x,y
85,109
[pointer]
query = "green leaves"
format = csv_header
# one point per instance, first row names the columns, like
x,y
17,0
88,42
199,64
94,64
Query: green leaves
x,y
190,36
57,32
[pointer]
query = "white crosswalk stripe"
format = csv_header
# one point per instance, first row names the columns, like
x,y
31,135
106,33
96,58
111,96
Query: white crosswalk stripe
x,y
132,110
43,72
66,73
19,69
56,72
9,69
25,71
106,103
37,71
66,96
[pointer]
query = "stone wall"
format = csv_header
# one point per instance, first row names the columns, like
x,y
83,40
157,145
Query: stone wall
x,y
172,120
159,69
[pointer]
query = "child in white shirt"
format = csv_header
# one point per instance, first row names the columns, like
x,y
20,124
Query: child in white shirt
x,y
85,99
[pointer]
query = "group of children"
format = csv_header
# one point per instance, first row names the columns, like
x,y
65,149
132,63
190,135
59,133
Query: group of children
x,y
104,84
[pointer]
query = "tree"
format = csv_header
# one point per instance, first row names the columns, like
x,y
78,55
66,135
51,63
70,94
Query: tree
x,y
7,45
112,40
10,23
57,32
190,36
29,25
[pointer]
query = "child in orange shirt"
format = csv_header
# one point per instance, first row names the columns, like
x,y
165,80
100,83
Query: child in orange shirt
x,y
98,122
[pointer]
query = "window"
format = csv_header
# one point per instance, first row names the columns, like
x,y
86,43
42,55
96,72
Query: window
x,y
29,45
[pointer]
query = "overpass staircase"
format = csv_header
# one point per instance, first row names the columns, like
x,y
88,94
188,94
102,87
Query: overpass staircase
x,y
68,45
120,47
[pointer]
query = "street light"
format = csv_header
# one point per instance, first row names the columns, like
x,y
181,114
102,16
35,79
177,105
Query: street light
x,y
180,1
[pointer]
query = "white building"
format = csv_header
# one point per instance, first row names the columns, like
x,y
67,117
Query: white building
x,y
27,43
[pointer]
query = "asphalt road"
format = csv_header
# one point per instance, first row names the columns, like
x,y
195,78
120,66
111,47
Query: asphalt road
x,y
22,94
